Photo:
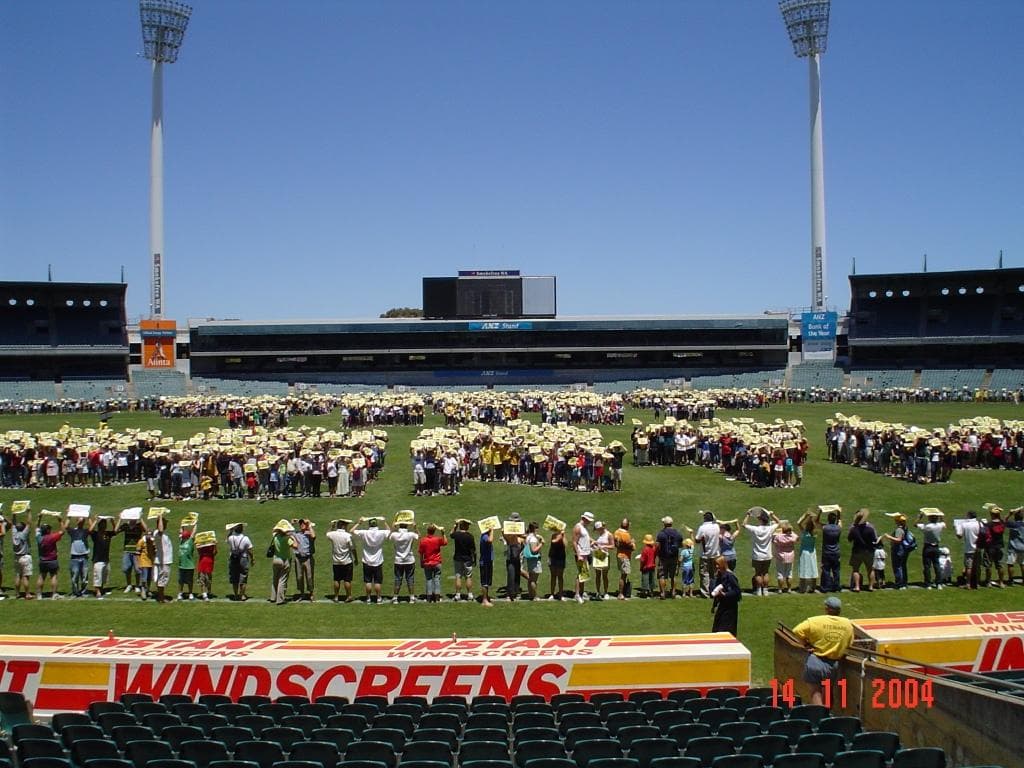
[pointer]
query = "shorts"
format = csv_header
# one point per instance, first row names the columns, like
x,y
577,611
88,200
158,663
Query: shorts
x,y
373,574
625,566
186,575
667,567
760,567
817,669
161,575
995,557
342,572
100,574
238,570
463,569
783,570
532,565
1013,556
129,562
688,574
23,566
48,567
859,558
419,476
405,572
968,560
145,574
486,574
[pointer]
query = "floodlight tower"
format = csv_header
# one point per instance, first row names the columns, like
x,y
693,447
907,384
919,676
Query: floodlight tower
x,y
807,24
163,31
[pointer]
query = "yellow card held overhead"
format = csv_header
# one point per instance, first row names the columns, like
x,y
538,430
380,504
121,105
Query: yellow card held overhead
x,y
405,517
514,527
190,519
489,524
206,538
155,513
553,523
249,469
19,507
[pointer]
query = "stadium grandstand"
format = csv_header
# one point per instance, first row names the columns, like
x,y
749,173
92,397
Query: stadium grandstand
x,y
968,319
53,332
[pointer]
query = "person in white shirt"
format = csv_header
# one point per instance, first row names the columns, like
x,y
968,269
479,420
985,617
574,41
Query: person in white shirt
x,y
342,557
930,551
162,560
582,548
968,530
709,536
761,546
373,539
239,561
405,562
449,474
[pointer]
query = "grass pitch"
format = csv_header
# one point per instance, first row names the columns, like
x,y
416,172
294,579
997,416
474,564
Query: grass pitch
x,y
648,494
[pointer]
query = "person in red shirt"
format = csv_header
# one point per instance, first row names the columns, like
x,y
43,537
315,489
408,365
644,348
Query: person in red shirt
x,y
47,540
207,554
430,560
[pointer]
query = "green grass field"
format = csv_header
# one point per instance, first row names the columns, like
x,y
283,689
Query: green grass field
x,y
648,494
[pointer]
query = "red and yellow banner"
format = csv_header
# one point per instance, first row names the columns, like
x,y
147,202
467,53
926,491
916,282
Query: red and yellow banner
x,y
158,343
68,673
970,642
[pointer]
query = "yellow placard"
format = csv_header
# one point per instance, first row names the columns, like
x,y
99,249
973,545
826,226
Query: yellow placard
x,y
263,464
514,528
249,469
489,524
405,517
155,513
552,523
19,507
190,519
206,538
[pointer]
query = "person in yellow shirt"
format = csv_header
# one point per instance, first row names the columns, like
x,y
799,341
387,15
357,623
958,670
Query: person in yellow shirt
x,y
827,638
146,551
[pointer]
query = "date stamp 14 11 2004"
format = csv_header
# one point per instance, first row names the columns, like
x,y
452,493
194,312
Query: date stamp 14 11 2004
x,y
894,693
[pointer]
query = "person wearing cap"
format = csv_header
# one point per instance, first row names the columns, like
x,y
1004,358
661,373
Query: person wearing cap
x,y
624,547
239,561
342,558
305,539
899,552
668,540
709,536
403,536
827,638
932,532
281,547
581,546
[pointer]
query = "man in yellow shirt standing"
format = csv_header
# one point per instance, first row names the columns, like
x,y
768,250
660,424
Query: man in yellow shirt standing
x,y
828,638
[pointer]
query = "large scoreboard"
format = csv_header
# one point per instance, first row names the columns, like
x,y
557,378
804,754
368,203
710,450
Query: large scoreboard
x,y
476,294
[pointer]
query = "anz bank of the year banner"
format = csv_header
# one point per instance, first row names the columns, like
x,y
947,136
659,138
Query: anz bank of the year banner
x,y
818,332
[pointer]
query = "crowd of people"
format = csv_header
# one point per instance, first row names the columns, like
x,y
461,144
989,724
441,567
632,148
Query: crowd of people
x,y
670,563
925,455
761,455
497,408
520,452
243,463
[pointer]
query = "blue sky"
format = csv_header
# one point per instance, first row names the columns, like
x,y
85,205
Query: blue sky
x,y
321,156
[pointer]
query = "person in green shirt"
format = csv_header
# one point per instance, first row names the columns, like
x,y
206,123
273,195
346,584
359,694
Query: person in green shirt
x,y
187,562
281,546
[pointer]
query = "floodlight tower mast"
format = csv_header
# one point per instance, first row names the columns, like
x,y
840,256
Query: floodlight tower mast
x,y
807,24
163,31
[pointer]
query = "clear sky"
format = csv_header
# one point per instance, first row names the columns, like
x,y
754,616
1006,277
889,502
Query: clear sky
x,y
322,156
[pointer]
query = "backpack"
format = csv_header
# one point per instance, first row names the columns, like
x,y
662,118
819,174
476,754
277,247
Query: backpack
x,y
671,548
909,542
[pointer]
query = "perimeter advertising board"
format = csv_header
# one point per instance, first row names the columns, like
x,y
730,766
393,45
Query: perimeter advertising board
x,y
68,673
974,642
158,343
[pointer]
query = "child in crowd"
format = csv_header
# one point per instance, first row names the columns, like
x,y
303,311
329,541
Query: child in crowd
x,y
146,551
878,567
206,554
648,562
686,566
945,566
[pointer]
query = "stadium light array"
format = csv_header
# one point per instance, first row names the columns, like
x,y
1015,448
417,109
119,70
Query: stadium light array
x,y
163,31
807,24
